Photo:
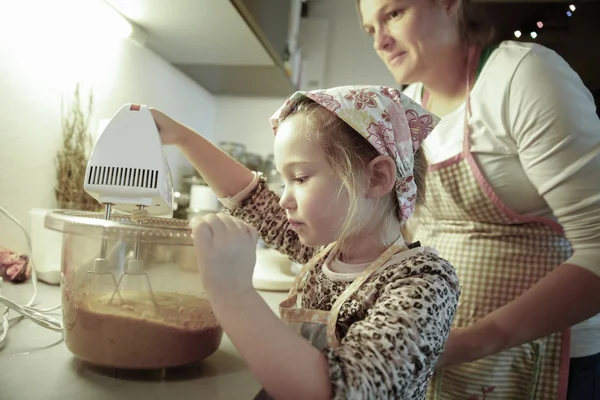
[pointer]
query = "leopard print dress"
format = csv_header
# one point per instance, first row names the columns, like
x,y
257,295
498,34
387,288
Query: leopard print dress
x,y
392,330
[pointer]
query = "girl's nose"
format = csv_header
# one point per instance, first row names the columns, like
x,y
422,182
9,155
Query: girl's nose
x,y
286,201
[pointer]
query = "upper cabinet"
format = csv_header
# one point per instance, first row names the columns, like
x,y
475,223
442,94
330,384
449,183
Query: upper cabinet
x,y
230,47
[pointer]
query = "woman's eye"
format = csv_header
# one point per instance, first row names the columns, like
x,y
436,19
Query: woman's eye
x,y
394,14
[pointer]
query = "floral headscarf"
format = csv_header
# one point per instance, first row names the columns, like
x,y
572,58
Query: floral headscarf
x,y
393,124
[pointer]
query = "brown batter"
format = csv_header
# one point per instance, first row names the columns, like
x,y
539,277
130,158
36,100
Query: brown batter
x,y
135,334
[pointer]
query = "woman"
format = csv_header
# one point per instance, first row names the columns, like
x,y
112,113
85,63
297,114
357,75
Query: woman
x,y
513,200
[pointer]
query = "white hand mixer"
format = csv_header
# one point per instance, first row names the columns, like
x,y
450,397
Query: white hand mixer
x,y
127,169
127,172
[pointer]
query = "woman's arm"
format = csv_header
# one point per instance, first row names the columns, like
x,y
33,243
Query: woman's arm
x,y
553,121
565,297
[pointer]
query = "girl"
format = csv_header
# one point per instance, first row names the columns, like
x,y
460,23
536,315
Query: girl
x,y
373,309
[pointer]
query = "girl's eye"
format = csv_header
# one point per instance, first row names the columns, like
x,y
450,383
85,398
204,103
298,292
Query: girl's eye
x,y
299,180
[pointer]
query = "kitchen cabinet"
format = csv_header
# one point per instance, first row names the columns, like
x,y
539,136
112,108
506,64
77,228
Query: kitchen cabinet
x,y
229,47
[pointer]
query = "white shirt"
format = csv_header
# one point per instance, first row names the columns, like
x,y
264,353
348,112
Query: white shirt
x,y
535,135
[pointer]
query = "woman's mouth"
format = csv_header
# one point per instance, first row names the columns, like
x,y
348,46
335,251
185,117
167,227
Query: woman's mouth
x,y
396,58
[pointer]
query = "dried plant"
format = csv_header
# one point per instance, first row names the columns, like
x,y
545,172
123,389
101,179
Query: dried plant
x,y
72,157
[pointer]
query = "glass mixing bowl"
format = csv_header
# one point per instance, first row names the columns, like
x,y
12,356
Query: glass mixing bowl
x,y
132,296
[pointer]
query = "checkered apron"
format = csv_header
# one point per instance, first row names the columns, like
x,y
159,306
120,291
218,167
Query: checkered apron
x,y
498,255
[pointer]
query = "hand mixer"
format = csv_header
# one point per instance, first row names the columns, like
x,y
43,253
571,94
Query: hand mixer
x,y
127,172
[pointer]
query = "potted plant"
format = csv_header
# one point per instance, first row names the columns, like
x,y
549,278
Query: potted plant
x,y
72,157
71,162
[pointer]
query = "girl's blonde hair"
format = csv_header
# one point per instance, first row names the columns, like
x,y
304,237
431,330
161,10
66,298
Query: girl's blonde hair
x,y
348,153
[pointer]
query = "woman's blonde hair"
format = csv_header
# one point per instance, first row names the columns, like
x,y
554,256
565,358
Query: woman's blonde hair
x,y
474,26
348,153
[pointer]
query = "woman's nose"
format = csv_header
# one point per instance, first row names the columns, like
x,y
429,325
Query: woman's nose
x,y
382,40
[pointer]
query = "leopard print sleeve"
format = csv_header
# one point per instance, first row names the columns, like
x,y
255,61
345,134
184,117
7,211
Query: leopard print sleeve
x,y
391,353
262,211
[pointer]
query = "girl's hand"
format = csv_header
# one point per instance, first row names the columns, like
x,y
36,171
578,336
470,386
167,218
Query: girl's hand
x,y
226,254
171,131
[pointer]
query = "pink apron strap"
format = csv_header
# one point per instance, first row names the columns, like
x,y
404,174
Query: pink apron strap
x,y
466,136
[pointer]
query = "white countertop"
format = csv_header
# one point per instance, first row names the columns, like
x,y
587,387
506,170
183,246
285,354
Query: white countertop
x,y
35,364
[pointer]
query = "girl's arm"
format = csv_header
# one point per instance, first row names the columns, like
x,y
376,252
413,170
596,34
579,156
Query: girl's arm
x,y
228,178
389,354
261,210
225,176
286,365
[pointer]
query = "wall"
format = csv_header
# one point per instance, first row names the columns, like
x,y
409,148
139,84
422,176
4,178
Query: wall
x,y
42,57
246,120
351,58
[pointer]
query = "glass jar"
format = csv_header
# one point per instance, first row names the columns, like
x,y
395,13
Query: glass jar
x,y
132,296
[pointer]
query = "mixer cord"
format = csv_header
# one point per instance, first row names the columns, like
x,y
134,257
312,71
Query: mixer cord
x,y
39,316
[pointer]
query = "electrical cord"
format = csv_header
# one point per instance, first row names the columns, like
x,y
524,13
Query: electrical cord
x,y
39,316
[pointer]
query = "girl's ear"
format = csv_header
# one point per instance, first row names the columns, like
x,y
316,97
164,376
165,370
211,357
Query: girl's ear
x,y
380,175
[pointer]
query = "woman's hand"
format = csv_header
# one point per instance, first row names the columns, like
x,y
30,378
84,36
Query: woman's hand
x,y
226,254
171,131
456,350
469,344
535,314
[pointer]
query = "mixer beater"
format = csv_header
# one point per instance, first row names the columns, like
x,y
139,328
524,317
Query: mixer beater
x,y
134,279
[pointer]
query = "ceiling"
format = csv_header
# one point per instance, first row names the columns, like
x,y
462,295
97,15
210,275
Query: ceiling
x,y
211,42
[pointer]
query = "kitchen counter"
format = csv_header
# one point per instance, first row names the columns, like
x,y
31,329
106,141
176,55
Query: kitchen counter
x,y
35,364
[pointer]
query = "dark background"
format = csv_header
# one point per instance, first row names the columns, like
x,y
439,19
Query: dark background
x,y
576,38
